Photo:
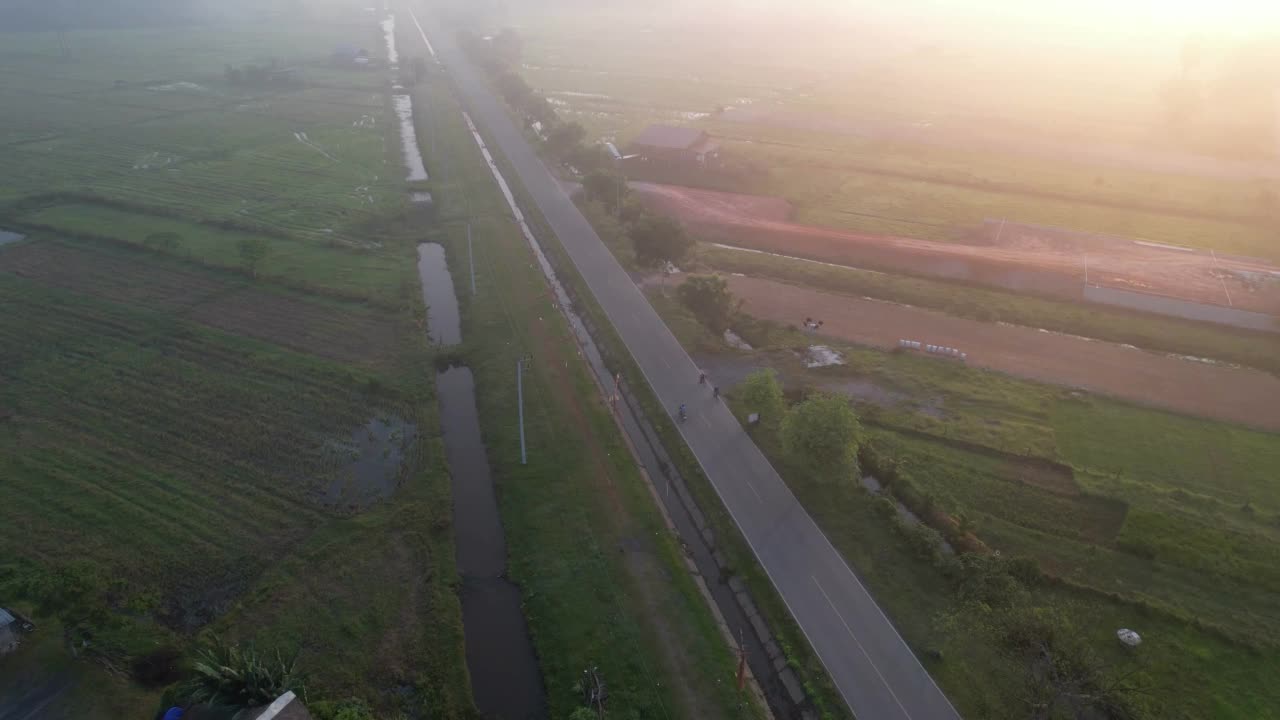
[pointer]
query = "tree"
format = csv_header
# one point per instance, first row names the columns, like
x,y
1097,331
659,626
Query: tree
x,y
507,46
605,188
761,393
514,90
823,433
564,139
252,250
590,158
659,240
709,298
539,110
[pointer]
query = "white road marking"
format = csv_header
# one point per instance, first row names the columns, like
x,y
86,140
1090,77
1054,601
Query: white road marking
x,y
860,647
424,36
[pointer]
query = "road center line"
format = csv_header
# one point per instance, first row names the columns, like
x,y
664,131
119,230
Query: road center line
x,y
860,647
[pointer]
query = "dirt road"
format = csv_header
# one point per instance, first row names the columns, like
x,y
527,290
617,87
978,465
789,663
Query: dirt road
x,y
1239,395
1016,260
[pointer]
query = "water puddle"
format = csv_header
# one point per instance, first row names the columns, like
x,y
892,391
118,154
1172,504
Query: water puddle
x,y
372,462
10,237
505,679
403,105
443,322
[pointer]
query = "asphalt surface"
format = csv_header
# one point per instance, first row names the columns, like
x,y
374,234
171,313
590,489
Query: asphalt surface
x,y
871,665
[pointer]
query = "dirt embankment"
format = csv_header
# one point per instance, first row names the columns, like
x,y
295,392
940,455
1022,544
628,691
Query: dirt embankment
x,y
1239,395
1016,260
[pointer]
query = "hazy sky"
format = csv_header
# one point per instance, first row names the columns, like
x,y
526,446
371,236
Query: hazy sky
x,y
1124,17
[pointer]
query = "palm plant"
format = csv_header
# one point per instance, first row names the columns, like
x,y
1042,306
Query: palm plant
x,y
238,678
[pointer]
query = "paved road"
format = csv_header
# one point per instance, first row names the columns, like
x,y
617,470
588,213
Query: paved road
x,y
871,665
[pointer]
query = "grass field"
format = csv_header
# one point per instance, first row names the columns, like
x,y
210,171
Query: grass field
x,y
192,428
1197,672
192,432
1123,504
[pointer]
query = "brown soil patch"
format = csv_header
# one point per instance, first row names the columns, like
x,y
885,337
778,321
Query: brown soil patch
x,y
1057,479
119,278
1238,395
1016,262
319,328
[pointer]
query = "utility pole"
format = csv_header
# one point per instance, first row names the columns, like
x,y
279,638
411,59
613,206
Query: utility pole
x,y
471,258
520,403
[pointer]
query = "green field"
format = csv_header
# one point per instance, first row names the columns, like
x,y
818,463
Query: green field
x,y
1140,515
201,431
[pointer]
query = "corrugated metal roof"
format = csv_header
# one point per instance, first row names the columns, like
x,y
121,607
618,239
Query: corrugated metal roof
x,y
668,136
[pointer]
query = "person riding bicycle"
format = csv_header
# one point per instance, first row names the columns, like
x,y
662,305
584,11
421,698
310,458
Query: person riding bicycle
x,y
715,391
702,378
683,413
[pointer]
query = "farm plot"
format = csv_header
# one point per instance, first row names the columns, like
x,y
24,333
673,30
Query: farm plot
x,y
319,326
967,482
1218,391
1045,268
157,449
1232,464
367,273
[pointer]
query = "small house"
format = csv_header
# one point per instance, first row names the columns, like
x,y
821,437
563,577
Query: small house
x,y
8,632
670,145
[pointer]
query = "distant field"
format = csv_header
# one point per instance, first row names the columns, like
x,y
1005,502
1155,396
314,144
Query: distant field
x,y
616,71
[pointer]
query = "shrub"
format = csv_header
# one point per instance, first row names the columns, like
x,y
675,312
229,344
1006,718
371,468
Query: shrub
x,y
227,675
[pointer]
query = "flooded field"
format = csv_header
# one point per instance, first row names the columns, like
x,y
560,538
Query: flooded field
x,y
372,457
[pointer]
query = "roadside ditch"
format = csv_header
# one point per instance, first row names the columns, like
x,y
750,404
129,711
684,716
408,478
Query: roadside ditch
x,y
506,680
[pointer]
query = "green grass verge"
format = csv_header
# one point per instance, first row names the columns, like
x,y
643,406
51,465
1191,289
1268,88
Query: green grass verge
x,y
582,530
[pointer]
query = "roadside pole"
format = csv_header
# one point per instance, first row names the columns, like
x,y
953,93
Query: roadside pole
x,y
520,404
471,258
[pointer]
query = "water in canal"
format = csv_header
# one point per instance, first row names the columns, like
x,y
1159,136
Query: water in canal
x,y
505,677
444,325
403,105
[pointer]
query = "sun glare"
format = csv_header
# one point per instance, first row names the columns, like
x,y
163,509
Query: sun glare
x,y
1139,15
